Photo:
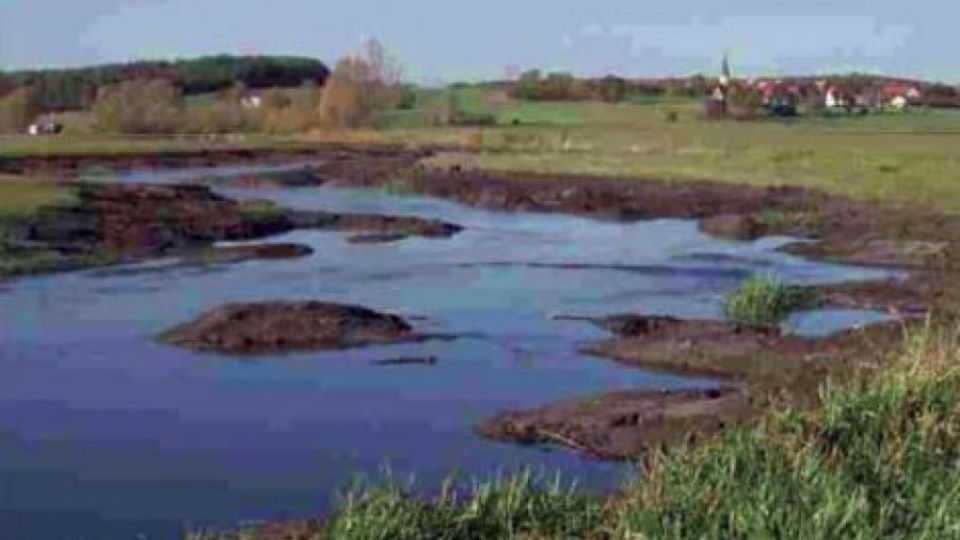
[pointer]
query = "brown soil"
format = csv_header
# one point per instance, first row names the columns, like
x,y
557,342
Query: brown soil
x,y
331,159
373,224
762,367
724,349
232,254
258,328
622,424
408,361
137,221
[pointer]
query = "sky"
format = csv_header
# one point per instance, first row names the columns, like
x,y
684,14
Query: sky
x,y
449,40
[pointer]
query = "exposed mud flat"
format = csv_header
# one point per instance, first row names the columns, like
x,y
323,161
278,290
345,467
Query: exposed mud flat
x,y
761,366
720,348
352,160
624,424
846,230
276,327
245,252
132,222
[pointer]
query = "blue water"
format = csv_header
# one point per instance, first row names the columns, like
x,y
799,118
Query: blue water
x,y
105,433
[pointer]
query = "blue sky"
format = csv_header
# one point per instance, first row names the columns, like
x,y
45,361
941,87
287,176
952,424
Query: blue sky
x,y
442,40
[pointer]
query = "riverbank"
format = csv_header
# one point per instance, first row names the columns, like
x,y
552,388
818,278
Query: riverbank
x,y
829,227
846,231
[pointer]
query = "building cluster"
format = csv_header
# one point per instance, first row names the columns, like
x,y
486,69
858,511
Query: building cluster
x,y
790,97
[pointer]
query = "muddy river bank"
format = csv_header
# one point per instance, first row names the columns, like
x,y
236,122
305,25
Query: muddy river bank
x,y
542,281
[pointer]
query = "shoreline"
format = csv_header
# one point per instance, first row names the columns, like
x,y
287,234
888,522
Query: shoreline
x,y
847,231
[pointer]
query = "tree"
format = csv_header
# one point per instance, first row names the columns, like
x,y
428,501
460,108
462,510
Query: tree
x,y
360,87
17,110
138,106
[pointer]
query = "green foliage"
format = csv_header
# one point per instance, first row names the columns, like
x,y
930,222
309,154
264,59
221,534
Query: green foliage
x,y
72,89
765,301
744,103
554,87
17,111
260,209
138,107
505,508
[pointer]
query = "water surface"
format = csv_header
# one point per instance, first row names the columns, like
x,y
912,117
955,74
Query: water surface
x,y
105,433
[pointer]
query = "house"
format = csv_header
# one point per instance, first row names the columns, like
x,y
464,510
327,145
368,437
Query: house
x,y
38,129
717,103
899,95
838,97
251,101
779,97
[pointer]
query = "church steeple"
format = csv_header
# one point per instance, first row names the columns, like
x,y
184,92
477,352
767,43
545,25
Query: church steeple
x,y
725,70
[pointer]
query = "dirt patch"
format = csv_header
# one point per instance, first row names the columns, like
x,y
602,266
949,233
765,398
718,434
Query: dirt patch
x,y
141,220
373,224
722,349
917,295
331,160
266,327
408,361
622,424
240,253
845,230
131,222
376,238
762,367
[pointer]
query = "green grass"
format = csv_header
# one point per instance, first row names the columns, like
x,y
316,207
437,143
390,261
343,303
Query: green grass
x,y
765,301
913,157
20,197
260,209
512,507
879,459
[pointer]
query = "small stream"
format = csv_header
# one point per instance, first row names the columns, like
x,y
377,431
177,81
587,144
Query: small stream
x,y
105,433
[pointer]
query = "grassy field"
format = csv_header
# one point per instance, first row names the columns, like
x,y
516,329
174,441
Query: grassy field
x,y
913,156
20,197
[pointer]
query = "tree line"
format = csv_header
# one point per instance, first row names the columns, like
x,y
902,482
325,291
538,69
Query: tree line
x,y
55,90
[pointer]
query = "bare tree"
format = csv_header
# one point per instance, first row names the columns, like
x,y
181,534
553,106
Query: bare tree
x,y
360,87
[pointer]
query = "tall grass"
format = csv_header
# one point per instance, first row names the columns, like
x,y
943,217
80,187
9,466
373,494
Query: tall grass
x,y
879,459
509,507
765,300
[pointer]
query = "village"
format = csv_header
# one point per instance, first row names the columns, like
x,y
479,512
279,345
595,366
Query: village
x,y
794,96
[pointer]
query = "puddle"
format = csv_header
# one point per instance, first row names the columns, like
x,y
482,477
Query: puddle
x,y
825,322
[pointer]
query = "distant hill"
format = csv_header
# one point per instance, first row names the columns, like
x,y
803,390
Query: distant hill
x,y
76,88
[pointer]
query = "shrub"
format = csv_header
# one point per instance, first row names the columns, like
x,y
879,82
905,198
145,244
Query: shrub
x,y
17,110
220,117
139,107
744,103
765,301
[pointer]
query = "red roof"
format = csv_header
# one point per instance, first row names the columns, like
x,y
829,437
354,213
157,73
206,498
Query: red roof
x,y
897,89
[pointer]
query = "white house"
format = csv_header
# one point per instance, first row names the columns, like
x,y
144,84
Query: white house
x,y
251,102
